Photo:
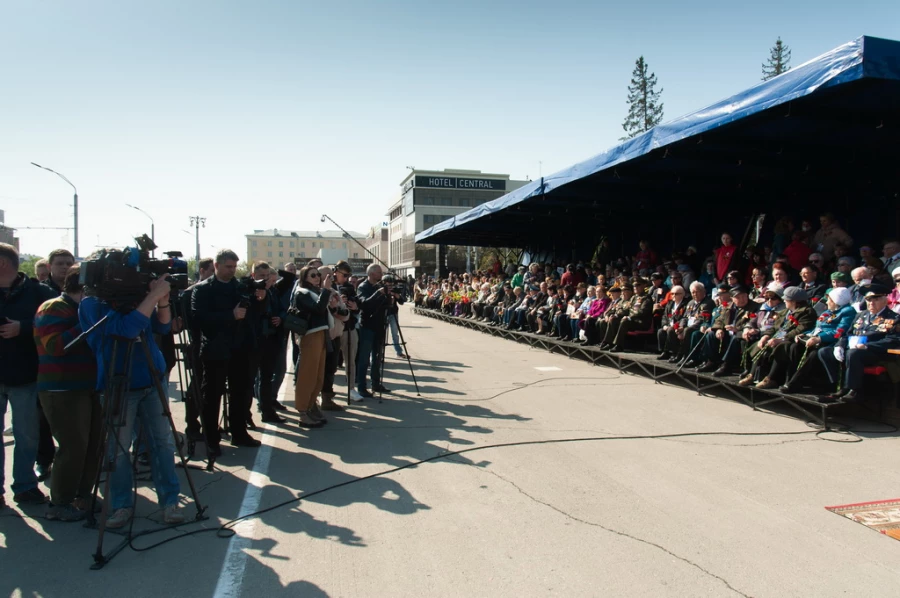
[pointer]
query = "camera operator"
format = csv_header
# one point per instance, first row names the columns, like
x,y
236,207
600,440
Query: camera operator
x,y
227,341
192,359
375,303
399,298
66,384
268,330
152,315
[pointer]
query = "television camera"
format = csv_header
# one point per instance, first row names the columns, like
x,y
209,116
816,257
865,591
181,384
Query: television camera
x,y
123,276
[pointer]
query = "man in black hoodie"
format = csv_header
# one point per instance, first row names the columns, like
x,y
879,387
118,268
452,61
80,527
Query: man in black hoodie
x,y
20,298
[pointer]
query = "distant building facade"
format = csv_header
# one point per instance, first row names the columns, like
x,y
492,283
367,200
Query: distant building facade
x,y
278,246
428,197
7,234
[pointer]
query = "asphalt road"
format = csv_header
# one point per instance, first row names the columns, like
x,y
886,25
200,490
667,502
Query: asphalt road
x,y
693,516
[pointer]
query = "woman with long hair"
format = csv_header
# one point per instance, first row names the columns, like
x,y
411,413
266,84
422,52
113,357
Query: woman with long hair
x,y
312,300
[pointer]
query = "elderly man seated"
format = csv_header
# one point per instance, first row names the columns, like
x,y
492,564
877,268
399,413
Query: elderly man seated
x,y
667,337
639,317
873,332
723,345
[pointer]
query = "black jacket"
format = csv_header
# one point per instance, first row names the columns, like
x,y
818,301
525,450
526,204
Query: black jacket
x,y
212,310
18,355
314,310
373,306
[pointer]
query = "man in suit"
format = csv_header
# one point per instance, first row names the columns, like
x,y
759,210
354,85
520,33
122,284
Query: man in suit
x,y
873,332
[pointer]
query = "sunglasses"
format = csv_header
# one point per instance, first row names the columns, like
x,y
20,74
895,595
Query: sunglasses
x,y
313,275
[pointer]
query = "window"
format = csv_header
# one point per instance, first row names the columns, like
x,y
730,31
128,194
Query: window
x,y
292,254
270,254
356,256
343,246
292,244
302,243
281,243
280,254
465,202
269,243
254,242
446,201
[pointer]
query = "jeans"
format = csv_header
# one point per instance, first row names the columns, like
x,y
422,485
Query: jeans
x,y
371,347
26,429
146,404
395,333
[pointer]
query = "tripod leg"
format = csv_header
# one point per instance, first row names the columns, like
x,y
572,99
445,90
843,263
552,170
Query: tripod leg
x,y
408,360
164,401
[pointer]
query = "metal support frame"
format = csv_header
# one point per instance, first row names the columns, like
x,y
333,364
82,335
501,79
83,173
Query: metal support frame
x,y
659,372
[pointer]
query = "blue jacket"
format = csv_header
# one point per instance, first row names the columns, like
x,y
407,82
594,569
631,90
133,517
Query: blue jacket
x,y
828,325
130,325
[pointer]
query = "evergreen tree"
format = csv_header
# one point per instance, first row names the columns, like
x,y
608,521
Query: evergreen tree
x,y
779,61
645,111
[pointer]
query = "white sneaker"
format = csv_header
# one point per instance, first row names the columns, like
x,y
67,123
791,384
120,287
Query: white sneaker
x,y
173,514
119,518
355,397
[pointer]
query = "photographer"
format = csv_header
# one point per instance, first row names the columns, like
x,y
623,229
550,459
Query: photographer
x,y
192,358
219,308
283,289
312,301
375,301
66,384
398,298
152,315
349,340
268,331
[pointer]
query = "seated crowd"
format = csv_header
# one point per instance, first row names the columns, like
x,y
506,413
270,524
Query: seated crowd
x,y
784,316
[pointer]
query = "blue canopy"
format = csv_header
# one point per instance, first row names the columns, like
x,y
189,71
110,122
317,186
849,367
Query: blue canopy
x,y
825,132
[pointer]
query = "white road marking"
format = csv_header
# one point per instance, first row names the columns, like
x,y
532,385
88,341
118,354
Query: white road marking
x,y
548,368
231,577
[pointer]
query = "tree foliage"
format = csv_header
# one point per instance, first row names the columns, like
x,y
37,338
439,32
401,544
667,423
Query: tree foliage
x,y
779,61
645,110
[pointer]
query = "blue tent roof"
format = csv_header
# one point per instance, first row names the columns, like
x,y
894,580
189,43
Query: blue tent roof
x,y
752,144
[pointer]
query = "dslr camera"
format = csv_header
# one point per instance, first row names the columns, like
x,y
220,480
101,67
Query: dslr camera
x,y
247,288
124,276
395,286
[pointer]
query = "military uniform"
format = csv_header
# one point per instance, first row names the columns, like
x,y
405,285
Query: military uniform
x,y
639,316
616,312
727,351
877,333
696,315
667,339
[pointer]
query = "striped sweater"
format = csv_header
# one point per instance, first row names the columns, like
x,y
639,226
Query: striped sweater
x,y
56,325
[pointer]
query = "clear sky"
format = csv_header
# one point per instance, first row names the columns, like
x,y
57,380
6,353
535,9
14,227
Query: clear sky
x,y
269,113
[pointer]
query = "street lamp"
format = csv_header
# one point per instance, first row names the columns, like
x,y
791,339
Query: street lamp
x,y
197,222
152,225
74,205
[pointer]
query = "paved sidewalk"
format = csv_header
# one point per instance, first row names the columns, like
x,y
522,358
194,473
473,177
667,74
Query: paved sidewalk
x,y
694,516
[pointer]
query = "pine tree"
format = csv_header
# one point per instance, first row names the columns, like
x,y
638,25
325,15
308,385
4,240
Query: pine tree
x,y
779,61
645,111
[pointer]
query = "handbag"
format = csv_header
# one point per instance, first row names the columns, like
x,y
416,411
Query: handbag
x,y
295,322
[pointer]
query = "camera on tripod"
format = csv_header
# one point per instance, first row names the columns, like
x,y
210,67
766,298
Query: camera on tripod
x,y
397,286
124,276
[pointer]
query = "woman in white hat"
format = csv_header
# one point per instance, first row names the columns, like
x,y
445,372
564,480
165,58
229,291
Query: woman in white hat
x,y
831,326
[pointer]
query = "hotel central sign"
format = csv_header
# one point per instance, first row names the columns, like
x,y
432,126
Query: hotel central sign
x,y
439,182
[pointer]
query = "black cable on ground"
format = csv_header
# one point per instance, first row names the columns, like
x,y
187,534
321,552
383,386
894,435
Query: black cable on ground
x,y
226,530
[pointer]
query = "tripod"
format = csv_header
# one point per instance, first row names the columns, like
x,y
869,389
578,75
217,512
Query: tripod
x,y
188,379
405,354
115,418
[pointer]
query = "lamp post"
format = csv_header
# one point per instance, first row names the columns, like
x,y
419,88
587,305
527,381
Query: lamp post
x,y
197,222
152,225
74,206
